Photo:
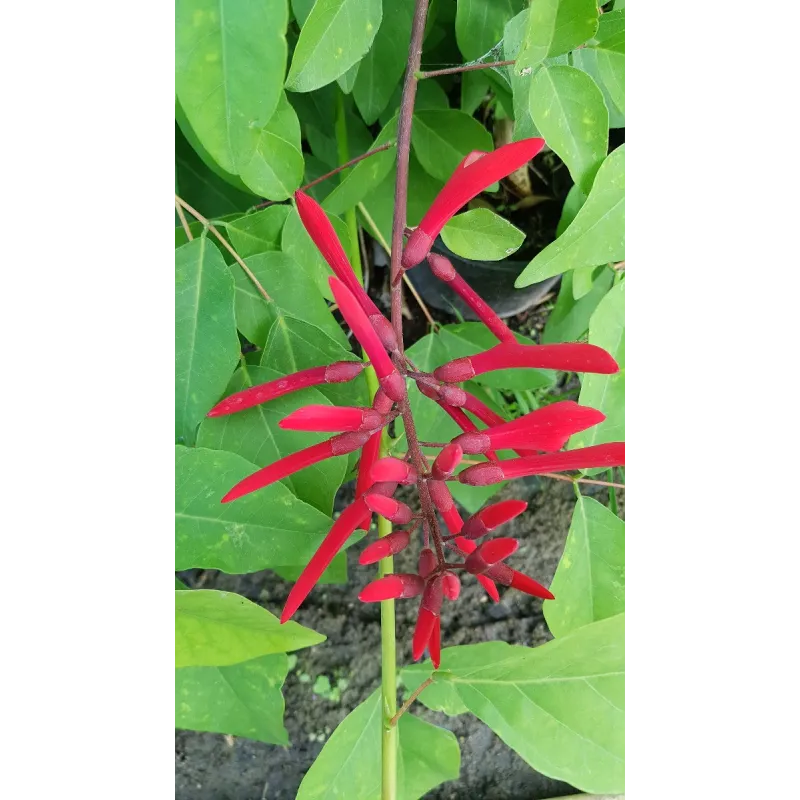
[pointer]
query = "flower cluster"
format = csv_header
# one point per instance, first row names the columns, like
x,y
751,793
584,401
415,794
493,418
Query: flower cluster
x,y
536,438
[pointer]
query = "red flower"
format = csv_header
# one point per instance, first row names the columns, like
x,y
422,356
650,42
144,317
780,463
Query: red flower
x,y
392,587
428,615
389,545
491,517
490,553
393,469
332,418
446,462
389,508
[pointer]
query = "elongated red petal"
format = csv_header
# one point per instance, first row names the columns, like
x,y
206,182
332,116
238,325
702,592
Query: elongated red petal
x,y
391,381
446,272
490,553
388,545
392,587
446,462
468,547
598,455
369,455
393,469
332,418
331,544
339,372
466,182
336,446
427,562
435,643
491,517
504,574
422,632
388,507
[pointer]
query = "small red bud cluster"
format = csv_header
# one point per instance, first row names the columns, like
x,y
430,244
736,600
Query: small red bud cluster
x,y
536,437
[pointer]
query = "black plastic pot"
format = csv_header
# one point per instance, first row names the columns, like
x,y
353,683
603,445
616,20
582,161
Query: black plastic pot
x,y
492,280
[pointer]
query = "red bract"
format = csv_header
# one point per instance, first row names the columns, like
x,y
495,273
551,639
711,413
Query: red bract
x,y
568,357
392,587
598,455
491,517
332,418
388,545
339,372
474,175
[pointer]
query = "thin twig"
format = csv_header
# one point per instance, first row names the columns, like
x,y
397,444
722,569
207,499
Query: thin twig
x,y
462,68
187,230
558,477
336,171
411,698
224,243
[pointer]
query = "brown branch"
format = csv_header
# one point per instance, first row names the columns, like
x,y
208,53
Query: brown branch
x,y
462,68
411,698
224,243
336,171
186,229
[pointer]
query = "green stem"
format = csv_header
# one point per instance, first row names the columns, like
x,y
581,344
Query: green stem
x,y
350,219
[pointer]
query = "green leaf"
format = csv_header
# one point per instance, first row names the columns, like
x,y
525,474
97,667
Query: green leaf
x,y
482,235
383,66
474,87
301,9
349,765
430,96
560,706
480,23
596,235
336,573
230,58
348,80
275,167
293,292
180,585
605,56
259,232
589,583
569,319
606,392
254,434
215,629
568,109
441,139
206,344
336,35
323,140
555,27
266,529
520,84
572,205
582,281
366,175
241,700
316,109
437,696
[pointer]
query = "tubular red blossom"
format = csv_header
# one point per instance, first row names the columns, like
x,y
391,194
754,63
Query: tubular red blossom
x,y
385,331
547,428
336,446
471,177
504,574
428,615
338,372
388,545
369,455
598,455
389,508
435,643
427,562
451,586
446,462
452,395
491,517
490,553
445,505
392,587
331,544
393,469
569,357
362,329
382,403
468,547
444,270
332,418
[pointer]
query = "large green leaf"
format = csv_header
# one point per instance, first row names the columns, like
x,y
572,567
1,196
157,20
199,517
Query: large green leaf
x,y
596,235
382,67
275,166
606,392
474,88
241,700
480,23
441,139
259,232
254,434
569,319
605,57
230,58
293,292
589,583
568,109
268,528
436,696
559,705
555,27
349,765
519,80
215,629
336,35
206,344
366,175
482,235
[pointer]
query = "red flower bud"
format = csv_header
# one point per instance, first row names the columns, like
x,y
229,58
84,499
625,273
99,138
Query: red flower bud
x,y
598,455
443,269
332,418
468,546
446,462
428,615
389,508
490,553
435,643
445,505
383,328
569,357
471,177
382,403
369,455
427,562
491,517
452,395
393,469
339,372
388,545
392,587
451,585
504,574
